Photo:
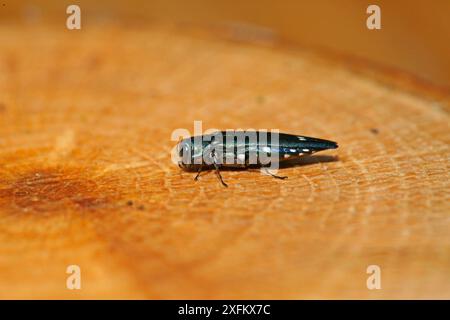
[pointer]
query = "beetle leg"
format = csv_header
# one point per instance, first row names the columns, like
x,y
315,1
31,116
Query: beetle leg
x,y
219,175
198,172
216,166
274,175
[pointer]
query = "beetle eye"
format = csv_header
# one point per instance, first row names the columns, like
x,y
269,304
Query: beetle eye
x,y
184,150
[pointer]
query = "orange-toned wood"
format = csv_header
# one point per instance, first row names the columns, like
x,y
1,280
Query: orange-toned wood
x,y
86,177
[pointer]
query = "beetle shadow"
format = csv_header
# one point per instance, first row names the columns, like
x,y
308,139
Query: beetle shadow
x,y
307,160
291,163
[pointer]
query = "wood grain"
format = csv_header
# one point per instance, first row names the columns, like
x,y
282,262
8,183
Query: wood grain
x,y
86,177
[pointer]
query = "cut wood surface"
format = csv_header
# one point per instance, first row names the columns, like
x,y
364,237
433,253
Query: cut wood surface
x,y
86,176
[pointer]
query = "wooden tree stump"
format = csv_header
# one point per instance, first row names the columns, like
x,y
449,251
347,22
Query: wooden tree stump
x,y
86,176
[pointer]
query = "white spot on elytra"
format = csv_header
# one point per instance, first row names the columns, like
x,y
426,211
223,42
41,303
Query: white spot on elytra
x,y
292,150
306,150
301,138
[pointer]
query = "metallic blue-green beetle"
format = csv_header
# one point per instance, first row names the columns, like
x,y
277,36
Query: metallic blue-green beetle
x,y
243,149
